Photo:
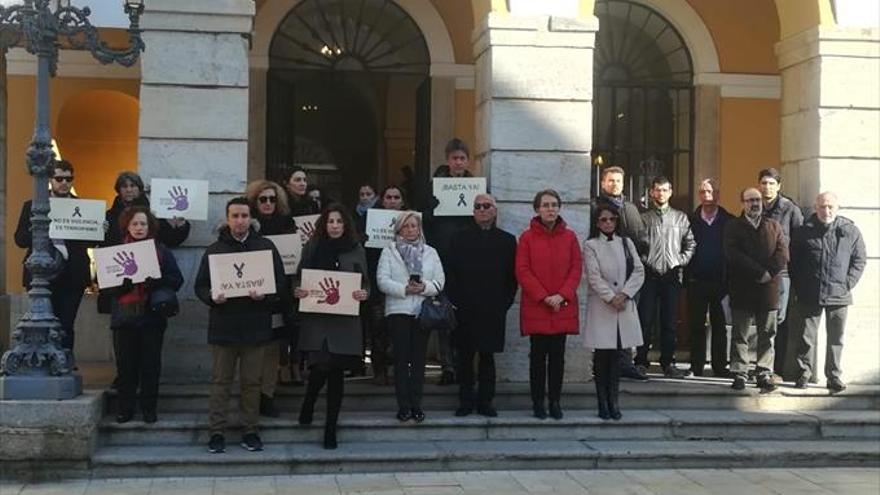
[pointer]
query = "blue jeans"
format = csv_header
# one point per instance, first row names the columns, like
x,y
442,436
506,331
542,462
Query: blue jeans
x,y
662,290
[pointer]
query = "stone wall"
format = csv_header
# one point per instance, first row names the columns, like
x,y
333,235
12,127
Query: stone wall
x,y
830,129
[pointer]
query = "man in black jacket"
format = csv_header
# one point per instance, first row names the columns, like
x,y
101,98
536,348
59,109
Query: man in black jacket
x,y
827,260
68,287
707,284
481,283
238,328
632,226
788,214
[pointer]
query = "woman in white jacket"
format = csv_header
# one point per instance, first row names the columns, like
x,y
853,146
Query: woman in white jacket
x,y
614,277
409,270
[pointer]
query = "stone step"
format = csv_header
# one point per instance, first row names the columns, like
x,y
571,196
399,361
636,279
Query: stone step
x,y
192,428
360,457
692,393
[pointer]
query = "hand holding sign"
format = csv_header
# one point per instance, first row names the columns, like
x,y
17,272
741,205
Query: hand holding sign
x,y
180,198
135,261
329,292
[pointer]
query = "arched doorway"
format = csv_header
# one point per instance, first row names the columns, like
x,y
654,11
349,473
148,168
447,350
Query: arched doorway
x,y
347,94
643,99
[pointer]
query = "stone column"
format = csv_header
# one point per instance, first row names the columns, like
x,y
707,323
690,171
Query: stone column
x,y
4,213
830,129
194,125
534,90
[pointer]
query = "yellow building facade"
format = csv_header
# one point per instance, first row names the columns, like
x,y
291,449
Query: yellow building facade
x,y
545,91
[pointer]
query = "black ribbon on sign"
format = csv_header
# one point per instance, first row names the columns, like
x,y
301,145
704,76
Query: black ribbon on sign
x,y
461,201
76,212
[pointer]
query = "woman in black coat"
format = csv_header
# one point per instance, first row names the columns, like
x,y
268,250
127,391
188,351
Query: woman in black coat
x,y
139,325
268,203
481,283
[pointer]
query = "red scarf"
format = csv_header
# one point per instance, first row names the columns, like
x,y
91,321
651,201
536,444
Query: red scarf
x,y
139,293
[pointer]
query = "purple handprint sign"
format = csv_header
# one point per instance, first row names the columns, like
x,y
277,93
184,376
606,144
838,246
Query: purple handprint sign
x,y
127,262
179,195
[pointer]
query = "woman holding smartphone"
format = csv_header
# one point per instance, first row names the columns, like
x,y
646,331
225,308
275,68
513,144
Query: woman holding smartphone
x,y
409,270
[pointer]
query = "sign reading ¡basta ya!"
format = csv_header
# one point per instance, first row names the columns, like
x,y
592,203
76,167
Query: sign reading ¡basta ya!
x,y
237,274
77,219
456,195
134,260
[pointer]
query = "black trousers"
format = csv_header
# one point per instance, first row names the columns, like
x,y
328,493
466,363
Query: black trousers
x,y
65,305
139,361
410,344
546,367
663,291
705,295
485,376
334,377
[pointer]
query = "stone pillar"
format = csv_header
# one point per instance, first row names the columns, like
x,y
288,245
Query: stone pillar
x,y
534,90
830,129
194,125
4,299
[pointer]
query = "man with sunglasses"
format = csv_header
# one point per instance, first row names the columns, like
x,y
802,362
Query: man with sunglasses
x,y
68,287
756,252
481,283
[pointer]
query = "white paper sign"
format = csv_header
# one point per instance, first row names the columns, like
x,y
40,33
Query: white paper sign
x,y
135,260
237,274
330,292
179,198
305,226
380,227
456,195
290,248
77,219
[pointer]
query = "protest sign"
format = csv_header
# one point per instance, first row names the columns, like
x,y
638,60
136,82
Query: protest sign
x,y
305,226
380,227
236,274
290,248
456,195
179,198
330,292
134,260
77,219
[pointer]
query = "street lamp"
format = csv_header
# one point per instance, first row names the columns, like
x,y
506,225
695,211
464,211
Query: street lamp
x,y
36,367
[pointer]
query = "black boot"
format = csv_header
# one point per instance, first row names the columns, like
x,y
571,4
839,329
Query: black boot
x,y
335,383
316,382
538,410
600,373
555,410
613,385
267,407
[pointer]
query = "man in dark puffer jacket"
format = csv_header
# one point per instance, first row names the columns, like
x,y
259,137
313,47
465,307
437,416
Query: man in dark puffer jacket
x,y
827,260
238,328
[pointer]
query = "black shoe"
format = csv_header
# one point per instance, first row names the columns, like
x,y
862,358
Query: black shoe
x,y
251,442
403,415
835,385
418,415
330,437
696,371
634,373
124,417
463,411
447,378
555,409
670,371
267,407
487,410
150,416
801,382
217,444
739,383
539,412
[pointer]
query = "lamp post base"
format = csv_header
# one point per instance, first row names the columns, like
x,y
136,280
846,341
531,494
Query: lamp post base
x,y
40,387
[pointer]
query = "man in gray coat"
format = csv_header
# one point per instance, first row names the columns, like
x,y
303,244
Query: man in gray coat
x,y
827,260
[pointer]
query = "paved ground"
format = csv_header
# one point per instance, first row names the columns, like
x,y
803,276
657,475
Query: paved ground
x,y
811,481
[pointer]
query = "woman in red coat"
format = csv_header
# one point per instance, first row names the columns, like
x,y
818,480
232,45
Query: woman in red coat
x,y
548,268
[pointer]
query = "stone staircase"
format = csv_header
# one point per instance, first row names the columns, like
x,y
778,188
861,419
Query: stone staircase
x,y
666,423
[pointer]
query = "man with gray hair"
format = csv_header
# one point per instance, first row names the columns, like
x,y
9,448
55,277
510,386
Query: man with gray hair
x,y
756,252
481,282
827,260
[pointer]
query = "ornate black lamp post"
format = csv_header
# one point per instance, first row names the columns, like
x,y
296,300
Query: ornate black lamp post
x,y
36,367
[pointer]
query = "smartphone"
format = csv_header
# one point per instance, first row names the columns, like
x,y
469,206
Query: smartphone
x,y
416,279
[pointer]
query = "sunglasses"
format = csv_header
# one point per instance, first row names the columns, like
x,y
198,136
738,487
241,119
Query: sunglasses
x,y
607,219
63,178
483,206
267,199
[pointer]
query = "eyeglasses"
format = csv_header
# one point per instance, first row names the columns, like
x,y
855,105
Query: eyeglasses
x,y
607,219
483,206
267,199
63,178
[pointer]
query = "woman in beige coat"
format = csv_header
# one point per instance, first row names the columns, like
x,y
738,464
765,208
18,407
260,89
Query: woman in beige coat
x,y
614,277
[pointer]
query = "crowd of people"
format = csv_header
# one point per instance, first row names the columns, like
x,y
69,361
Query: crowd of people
x,y
636,260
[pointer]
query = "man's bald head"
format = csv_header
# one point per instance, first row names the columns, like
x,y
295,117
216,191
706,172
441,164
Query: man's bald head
x,y
826,207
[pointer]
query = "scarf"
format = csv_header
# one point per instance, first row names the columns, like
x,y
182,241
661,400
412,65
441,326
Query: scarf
x,y
411,252
616,201
328,252
138,295
362,206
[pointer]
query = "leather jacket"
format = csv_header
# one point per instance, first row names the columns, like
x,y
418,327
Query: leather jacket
x,y
669,240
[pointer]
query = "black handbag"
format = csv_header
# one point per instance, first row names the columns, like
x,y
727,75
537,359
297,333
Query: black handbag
x,y
163,301
437,313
